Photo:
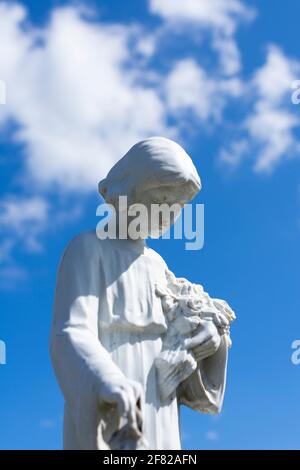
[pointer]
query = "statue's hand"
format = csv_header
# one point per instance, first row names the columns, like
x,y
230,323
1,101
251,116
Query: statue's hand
x,y
205,340
126,395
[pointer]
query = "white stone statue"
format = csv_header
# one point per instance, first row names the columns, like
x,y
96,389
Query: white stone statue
x,y
130,342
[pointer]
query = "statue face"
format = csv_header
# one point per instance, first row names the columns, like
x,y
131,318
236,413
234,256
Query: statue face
x,y
164,194
154,172
164,204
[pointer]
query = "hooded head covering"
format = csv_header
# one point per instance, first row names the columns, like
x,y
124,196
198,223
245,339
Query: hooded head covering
x,y
151,164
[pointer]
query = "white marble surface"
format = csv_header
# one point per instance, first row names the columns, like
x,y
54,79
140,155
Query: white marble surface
x,y
119,310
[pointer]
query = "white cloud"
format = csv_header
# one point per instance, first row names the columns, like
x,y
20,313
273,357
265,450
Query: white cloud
x,y
82,96
77,94
234,154
217,14
82,92
22,222
146,45
272,123
269,131
2,92
274,79
189,88
220,18
230,59
14,213
23,219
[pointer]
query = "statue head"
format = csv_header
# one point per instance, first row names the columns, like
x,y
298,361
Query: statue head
x,y
154,171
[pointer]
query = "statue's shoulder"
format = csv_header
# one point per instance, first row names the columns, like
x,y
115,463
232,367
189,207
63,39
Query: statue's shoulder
x,y
84,243
156,256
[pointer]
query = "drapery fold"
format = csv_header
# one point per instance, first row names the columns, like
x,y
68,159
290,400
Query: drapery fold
x,y
85,353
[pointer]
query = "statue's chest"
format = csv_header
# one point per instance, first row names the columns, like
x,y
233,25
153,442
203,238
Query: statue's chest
x,y
130,288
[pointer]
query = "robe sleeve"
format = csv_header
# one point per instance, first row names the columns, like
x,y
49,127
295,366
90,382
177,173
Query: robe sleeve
x,y
80,362
204,390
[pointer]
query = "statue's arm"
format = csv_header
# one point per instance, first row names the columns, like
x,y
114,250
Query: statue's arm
x,y
204,389
83,367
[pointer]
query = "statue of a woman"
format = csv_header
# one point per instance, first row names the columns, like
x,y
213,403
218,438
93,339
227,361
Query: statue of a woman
x,y
117,311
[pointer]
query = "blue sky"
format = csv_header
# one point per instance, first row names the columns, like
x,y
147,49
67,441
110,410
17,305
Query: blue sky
x,y
83,83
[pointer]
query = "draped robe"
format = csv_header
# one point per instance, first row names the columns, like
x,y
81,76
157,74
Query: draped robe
x,y
108,319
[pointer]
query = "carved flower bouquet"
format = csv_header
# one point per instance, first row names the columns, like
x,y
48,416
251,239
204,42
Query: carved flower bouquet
x,y
185,305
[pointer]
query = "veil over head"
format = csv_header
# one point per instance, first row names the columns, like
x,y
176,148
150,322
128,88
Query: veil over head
x,y
151,163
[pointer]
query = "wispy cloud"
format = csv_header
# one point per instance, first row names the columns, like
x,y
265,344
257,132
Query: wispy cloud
x,y
190,90
24,222
219,18
268,133
273,122
223,15
81,91
25,218
78,93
